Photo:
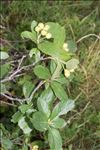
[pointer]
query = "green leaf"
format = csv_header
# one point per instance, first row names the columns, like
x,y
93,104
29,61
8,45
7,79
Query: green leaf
x,y
58,33
72,47
32,52
53,66
24,79
40,121
72,63
62,80
58,123
3,55
36,52
43,107
25,147
53,50
25,107
6,143
33,25
57,71
30,35
24,125
59,91
42,72
47,96
62,108
16,117
27,88
30,111
4,69
54,139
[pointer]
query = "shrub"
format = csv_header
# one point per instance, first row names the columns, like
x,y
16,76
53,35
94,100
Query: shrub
x,y
45,99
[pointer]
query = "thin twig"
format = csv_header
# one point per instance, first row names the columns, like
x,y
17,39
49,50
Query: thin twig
x,y
12,98
25,99
21,62
8,103
15,74
39,85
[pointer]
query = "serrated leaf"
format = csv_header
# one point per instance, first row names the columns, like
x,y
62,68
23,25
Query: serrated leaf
x,y
62,108
40,121
59,91
58,123
16,117
29,35
55,140
3,55
42,72
72,63
24,125
33,25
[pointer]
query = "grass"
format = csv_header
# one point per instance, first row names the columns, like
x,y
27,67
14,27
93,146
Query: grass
x,y
80,19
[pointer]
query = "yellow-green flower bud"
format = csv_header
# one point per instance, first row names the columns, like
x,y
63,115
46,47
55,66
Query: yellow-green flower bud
x,y
48,35
41,25
65,47
43,32
46,27
66,73
35,147
71,70
37,29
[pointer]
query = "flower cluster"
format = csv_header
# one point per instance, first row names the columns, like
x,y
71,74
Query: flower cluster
x,y
65,47
35,147
43,30
68,72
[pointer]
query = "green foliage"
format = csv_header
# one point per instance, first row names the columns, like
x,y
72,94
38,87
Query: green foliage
x,y
27,88
41,91
40,121
55,139
46,117
59,91
4,70
6,144
24,126
72,64
62,108
16,117
42,72
29,35
3,55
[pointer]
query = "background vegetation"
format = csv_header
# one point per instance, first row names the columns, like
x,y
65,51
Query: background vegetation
x,y
80,18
